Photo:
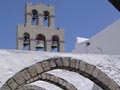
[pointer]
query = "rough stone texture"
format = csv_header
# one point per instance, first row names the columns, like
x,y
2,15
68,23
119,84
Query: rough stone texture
x,y
19,78
31,87
64,83
89,69
77,63
68,85
39,68
32,70
52,63
26,75
60,81
113,86
73,63
46,65
52,78
66,62
73,88
95,72
12,84
5,87
82,66
48,76
56,79
35,78
44,76
59,62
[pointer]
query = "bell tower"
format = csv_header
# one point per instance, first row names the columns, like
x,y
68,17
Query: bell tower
x,y
38,32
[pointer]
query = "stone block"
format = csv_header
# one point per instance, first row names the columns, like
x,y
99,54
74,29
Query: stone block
x,y
73,88
5,87
89,69
46,65
19,78
44,76
96,72
104,78
48,76
52,78
113,85
60,81
40,76
82,66
64,83
59,62
56,79
26,75
12,84
52,63
77,64
32,70
66,61
35,78
39,68
73,63
68,86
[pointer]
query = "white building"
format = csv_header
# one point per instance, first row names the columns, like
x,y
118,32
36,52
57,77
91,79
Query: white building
x,y
104,42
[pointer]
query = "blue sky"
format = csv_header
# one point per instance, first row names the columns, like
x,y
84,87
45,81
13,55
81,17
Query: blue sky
x,y
82,18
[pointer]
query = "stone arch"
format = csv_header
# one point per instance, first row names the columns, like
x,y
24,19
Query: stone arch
x,y
31,87
85,69
62,83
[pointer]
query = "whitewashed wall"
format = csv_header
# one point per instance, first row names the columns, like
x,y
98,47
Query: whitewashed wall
x,y
105,42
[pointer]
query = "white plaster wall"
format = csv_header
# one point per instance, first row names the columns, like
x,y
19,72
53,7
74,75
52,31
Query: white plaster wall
x,y
104,42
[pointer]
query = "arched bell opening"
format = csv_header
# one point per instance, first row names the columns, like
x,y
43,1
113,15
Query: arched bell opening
x,y
55,43
26,41
40,42
46,18
34,17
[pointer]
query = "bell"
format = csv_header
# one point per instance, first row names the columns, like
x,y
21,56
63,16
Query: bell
x,y
54,44
45,17
26,42
33,18
39,44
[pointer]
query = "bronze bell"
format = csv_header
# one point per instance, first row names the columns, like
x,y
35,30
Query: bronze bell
x,y
26,42
40,44
45,17
54,44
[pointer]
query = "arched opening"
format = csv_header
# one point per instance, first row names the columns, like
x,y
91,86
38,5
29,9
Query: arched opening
x,y
40,42
31,87
26,43
46,18
53,80
34,17
55,43
85,69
